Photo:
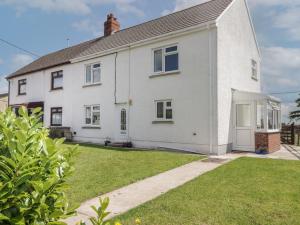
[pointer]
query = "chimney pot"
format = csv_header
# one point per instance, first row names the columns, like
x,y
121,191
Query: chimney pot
x,y
111,25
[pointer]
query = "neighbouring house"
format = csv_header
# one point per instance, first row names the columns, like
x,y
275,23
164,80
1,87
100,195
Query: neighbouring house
x,y
3,101
190,80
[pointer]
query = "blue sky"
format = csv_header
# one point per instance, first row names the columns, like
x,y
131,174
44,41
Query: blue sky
x,y
42,26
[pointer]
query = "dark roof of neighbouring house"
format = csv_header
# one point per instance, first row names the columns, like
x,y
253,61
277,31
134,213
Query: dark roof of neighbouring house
x,y
2,95
199,14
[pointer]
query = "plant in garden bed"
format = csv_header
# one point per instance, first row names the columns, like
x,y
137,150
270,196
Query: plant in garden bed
x,y
33,171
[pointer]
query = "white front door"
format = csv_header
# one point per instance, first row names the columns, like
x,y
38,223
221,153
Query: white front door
x,y
244,126
121,128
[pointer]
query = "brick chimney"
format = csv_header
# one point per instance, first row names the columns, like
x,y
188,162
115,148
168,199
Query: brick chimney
x,y
111,25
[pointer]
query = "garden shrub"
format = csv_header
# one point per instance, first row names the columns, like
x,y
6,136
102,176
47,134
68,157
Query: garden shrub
x,y
33,171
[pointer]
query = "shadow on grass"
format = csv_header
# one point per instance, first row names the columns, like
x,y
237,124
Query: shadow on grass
x,y
93,145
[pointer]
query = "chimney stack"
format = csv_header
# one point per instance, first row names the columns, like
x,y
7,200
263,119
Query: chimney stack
x,y
111,25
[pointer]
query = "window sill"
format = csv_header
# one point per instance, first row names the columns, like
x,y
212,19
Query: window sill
x,y
91,127
175,72
163,122
91,85
56,89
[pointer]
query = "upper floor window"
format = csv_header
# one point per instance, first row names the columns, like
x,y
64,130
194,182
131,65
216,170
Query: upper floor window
x,y
164,110
57,80
254,69
166,59
22,87
92,115
93,74
56,116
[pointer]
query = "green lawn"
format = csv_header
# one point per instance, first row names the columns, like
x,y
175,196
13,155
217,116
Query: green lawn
x,y
99,170
246,191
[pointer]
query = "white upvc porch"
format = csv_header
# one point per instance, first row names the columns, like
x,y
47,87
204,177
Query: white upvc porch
x,y
256,117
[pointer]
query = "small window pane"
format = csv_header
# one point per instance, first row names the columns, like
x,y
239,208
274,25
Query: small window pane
x,y
158,60
57,82
123,120
96,65
160,110
171,49
171,62
96,75
243,116
96,118
169,114
96,108
88,115
88,76
260,117
169,104
22,88
270,119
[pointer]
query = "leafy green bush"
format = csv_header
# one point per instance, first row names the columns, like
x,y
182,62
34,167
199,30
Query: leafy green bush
x,y
102,214
33,171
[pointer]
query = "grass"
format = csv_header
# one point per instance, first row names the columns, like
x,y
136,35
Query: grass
x,y
246,191
101,170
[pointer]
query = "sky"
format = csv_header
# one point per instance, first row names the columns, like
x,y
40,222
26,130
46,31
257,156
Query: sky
x,y
43,26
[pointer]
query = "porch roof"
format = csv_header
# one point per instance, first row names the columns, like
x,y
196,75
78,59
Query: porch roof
x,y
244,95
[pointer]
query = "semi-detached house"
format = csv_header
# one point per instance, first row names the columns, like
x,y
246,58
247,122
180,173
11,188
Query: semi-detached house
x,y
190,80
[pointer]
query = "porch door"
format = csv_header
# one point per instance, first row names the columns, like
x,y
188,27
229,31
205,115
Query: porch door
x,y
244,126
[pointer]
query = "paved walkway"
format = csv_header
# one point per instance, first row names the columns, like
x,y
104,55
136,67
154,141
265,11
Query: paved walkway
x,y
133,195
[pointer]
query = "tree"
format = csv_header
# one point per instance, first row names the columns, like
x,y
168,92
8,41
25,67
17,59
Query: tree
x,y
295,115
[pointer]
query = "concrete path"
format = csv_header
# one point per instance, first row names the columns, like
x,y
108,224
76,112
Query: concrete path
x,y
133,195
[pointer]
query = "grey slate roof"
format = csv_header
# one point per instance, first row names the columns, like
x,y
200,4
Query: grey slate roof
x,y
190,17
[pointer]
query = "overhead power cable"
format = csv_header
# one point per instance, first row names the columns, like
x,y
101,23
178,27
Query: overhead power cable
x,y
17,47
285,93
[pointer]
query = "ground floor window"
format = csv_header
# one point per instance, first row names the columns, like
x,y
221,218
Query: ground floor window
x,y
164,110
260,111
56,116
92,115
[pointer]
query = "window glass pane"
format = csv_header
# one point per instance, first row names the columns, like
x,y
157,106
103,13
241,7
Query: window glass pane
x,y
88,75
169,104
169,114
171,62
22,88
96,108
96,118
96,65
160,110
56,118
158,60
57,82
260,116
171,49
123,119
88,115
243,116
96,75
270,119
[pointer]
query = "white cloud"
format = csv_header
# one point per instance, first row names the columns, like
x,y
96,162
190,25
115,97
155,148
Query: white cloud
x,y
182,4
87,25
82,7
20,60
3,85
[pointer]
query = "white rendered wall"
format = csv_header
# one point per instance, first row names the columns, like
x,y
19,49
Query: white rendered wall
x,y
188,89
236,48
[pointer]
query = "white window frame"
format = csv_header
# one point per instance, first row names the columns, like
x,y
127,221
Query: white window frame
x,y
254,69
275,120
164,54
165,108
91,115
123,123
92,70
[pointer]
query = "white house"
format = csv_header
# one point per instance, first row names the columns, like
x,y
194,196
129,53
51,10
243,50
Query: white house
x,y
189,80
